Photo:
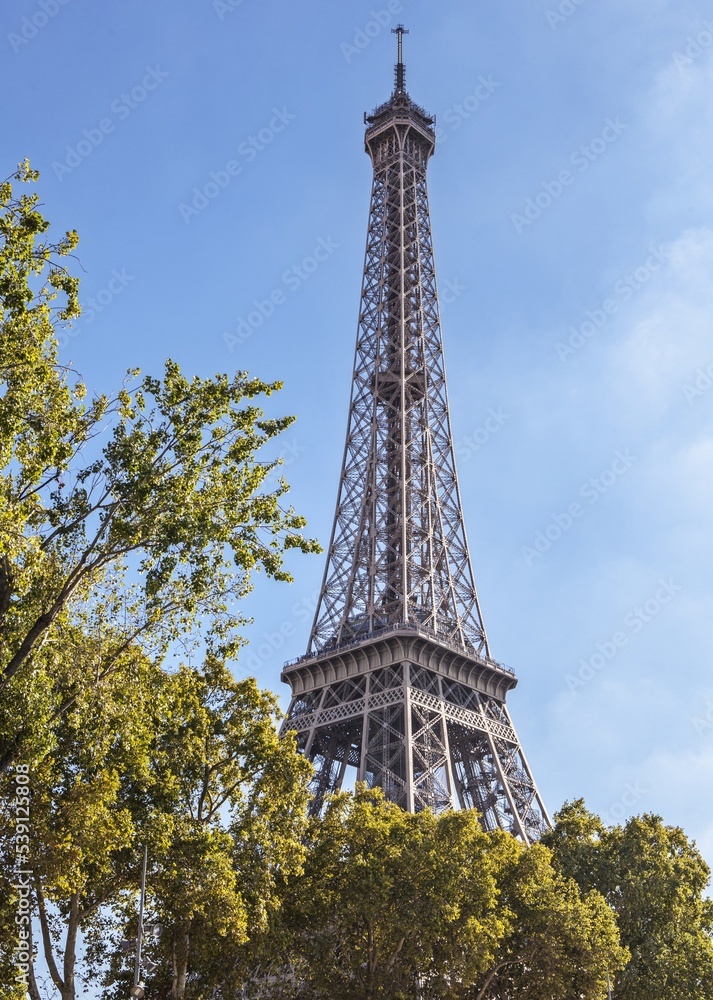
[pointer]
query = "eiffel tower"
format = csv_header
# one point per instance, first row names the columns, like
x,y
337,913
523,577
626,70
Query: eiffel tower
x,y
398,683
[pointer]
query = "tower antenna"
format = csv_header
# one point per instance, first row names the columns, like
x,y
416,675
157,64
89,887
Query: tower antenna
x,y
400,68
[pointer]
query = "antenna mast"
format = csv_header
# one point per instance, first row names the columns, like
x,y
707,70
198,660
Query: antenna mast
x,y
400,68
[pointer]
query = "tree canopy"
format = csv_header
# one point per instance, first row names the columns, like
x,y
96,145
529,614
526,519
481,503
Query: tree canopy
x,y
153,535
399,905
128,522
189,764
655,880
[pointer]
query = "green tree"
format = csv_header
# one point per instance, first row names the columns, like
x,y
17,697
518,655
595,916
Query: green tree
x,y
558,942
81,824
388,896
178,495
655,879
108,553
229,799
41,418
190,764
421,906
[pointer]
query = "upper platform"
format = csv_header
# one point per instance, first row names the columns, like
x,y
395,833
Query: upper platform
x,y
399,111
396,644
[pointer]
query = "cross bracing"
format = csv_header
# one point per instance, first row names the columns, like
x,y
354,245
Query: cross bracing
x,y
398,682
426,739
398,551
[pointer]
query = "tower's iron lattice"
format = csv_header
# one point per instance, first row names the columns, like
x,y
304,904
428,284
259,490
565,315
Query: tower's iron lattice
x,y
398,681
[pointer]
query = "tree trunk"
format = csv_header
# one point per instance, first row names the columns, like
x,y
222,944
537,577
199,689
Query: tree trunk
x,y
180,949
32,988
70,950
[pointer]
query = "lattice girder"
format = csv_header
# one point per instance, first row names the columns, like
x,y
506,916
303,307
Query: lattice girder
x,y
398,687
398,551
428,740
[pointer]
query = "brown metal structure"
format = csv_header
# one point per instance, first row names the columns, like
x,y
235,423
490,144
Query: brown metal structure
x,y
398,681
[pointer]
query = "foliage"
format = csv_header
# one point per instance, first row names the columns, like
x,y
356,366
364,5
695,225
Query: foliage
x,y
229,801
387,895
128,523
404,906
40,419
558,942
655,879
81,821
177,494
191,765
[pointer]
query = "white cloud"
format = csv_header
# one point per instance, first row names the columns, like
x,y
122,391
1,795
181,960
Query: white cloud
x,y
680,117
693,473
668,333
679,779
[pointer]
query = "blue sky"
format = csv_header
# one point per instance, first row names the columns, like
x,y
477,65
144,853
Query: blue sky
x,y
211,157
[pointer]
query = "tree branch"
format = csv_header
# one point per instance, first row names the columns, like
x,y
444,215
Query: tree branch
x,y
496,969
47,937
